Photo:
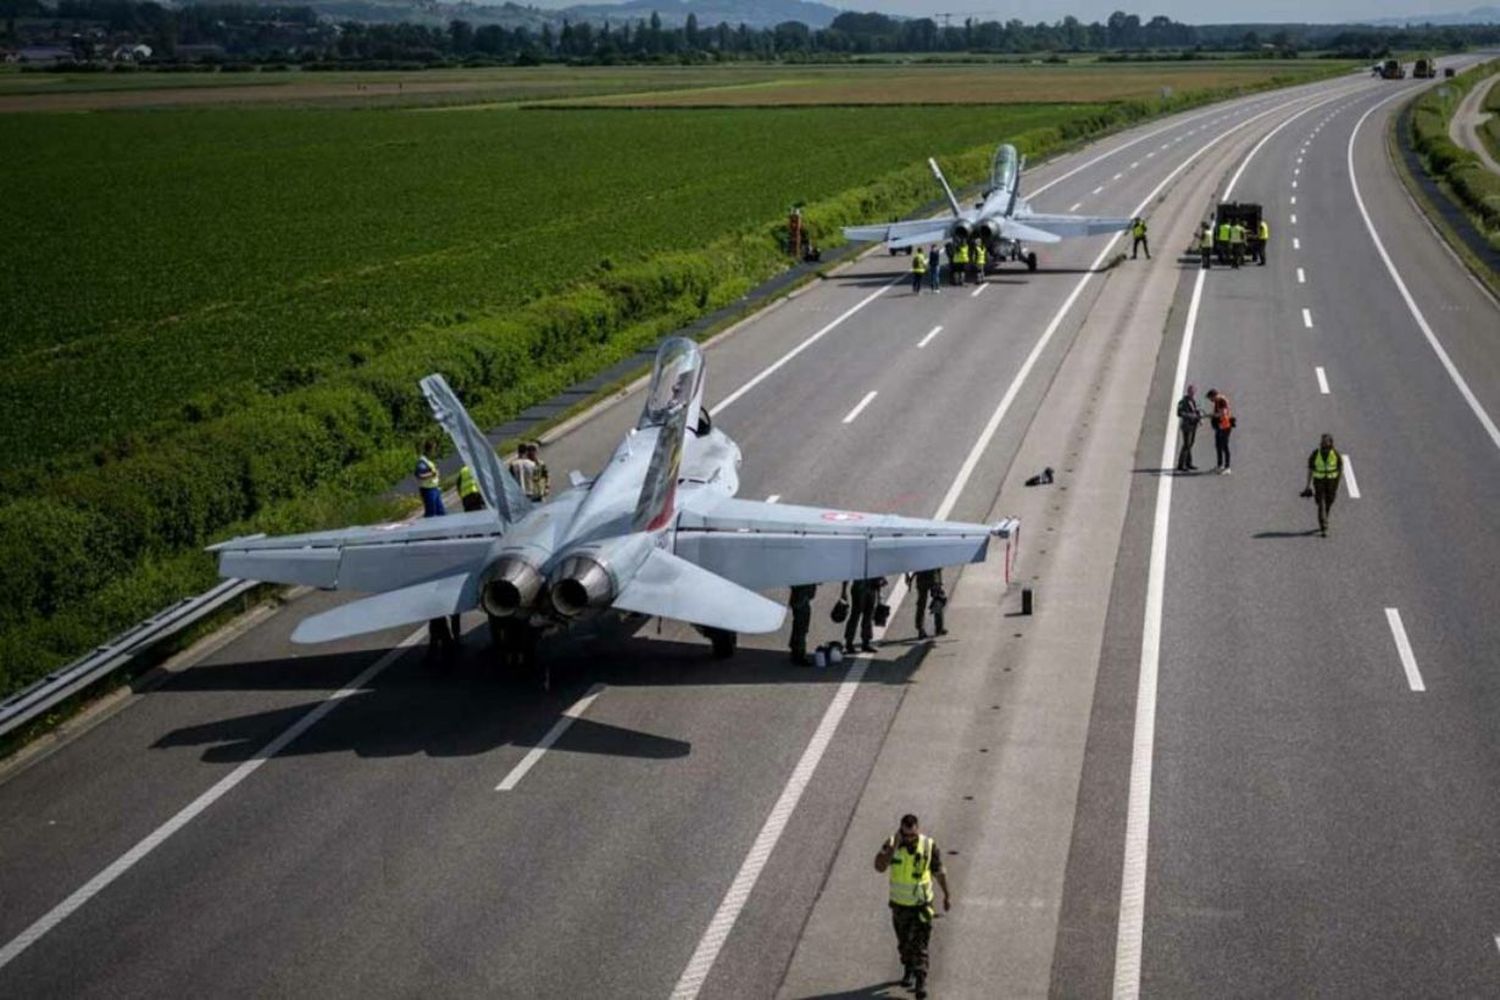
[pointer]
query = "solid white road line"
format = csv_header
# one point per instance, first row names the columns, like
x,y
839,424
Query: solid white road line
x,y
724,919
1403,649
860,406
572,715
1411,303
975,293
776,365
1322,380
1347,475
930,334
157,837
1075,206
1296,243
773,498
1128,941
1301,277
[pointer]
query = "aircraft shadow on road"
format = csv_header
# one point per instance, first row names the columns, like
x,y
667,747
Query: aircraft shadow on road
x,y
471,706
1285,534
878,991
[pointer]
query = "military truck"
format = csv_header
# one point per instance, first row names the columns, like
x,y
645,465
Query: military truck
x,y
1425,68
1392,70
1247,214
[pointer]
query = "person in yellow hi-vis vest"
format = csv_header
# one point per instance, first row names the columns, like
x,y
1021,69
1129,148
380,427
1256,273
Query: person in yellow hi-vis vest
x,y
913,860
1325,466
918,269
468,490
960,262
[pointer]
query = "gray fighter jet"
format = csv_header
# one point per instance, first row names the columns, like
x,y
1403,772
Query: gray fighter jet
x,y
1002,220
658,532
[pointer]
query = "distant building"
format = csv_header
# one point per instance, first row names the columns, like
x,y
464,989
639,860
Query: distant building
x,y
45,55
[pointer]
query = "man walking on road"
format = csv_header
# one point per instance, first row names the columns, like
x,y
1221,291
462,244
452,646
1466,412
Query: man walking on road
x,y
1223,421
1188,416
801,605
914,861
1324,467
918,269
1138,232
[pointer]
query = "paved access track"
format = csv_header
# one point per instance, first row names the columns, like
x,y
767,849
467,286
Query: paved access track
x,y
351,821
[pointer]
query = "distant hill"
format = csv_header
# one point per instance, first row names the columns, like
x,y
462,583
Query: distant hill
x,y
1477,15
755,13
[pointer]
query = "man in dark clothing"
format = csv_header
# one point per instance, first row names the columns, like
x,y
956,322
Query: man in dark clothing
x,y
863,596
1324,467
929,584
1188,416
1138,235
801,605
935,267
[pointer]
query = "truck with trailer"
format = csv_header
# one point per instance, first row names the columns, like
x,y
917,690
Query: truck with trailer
x,y
1392,69
1425,68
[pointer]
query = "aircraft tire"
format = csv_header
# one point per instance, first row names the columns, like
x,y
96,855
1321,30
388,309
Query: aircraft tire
x,y
1031,261
724,642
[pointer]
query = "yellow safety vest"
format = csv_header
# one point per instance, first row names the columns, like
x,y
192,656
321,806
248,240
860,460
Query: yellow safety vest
x,y
468,483
1265,230
1138,230
919,262
1224,233
1326,468
431,482
1236,233
911,874
961,255
1206,241
979,255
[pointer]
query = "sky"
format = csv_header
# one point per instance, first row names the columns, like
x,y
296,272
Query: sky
x,y
1189,11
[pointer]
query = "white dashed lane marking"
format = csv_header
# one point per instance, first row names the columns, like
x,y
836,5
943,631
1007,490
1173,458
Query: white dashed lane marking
x,y
1403,650
1350,483
572,715
1098,189
1322,380
1294,218
1307,318
773,498
1296,243
930,334
860,406
975,293
1301,278
1075,206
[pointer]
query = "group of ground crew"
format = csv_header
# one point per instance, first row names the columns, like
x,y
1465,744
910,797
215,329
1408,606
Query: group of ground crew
x,y
860,610
967,259
530,472
1232,241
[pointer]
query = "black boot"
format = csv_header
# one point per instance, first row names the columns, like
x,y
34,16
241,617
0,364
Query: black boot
x,y
909,979
920,989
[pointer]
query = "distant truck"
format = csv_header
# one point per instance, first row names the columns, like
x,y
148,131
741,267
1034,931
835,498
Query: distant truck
x,y
1425,68
1247,214
1392,69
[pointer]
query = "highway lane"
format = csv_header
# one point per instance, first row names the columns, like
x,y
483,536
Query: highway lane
x,y
292,856
1321,802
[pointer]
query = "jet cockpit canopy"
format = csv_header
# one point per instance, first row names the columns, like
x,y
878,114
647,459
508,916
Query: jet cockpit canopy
x,y
1004,168
676,381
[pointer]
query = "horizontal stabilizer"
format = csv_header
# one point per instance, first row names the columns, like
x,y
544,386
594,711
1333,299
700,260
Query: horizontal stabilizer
x,y
1013,230
668,586
420,602
900,234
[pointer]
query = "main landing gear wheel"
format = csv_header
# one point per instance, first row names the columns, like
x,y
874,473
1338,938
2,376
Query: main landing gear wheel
x,y
724,642
1031,261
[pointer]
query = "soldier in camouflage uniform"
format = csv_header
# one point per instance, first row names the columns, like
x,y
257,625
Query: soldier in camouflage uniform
x,y
914,862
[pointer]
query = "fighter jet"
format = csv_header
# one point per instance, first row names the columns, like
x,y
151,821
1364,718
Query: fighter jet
x,y
1002,219
657,532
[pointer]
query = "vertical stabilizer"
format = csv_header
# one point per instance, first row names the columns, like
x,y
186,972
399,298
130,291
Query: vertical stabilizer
x,y
948,191
499,488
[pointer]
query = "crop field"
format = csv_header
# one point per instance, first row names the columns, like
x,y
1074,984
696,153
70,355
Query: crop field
x,y
968,84
172,261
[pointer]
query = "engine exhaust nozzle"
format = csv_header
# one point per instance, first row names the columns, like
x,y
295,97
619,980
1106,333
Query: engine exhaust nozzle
x,y
580,584
512,586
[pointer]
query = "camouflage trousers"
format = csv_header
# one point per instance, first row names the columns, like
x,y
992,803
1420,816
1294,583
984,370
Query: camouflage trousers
x,y
913,932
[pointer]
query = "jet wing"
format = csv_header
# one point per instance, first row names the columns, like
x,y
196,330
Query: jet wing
x,y
1070,225
374,559
901,234
760,546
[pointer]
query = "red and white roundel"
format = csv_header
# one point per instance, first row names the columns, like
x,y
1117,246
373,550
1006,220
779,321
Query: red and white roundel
x,y
842,515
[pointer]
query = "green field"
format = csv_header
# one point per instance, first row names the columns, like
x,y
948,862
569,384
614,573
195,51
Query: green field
x,y
177,260
216,317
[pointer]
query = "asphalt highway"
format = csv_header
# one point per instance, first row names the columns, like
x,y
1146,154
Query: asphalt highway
x,y
281,820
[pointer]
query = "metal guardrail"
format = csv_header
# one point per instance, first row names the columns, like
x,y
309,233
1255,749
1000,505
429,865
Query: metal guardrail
x,y
30,702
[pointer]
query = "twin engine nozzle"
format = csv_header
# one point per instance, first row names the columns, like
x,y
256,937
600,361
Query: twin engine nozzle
x,y
580,582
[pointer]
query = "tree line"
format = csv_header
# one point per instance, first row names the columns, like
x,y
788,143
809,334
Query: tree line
x,y
293,33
